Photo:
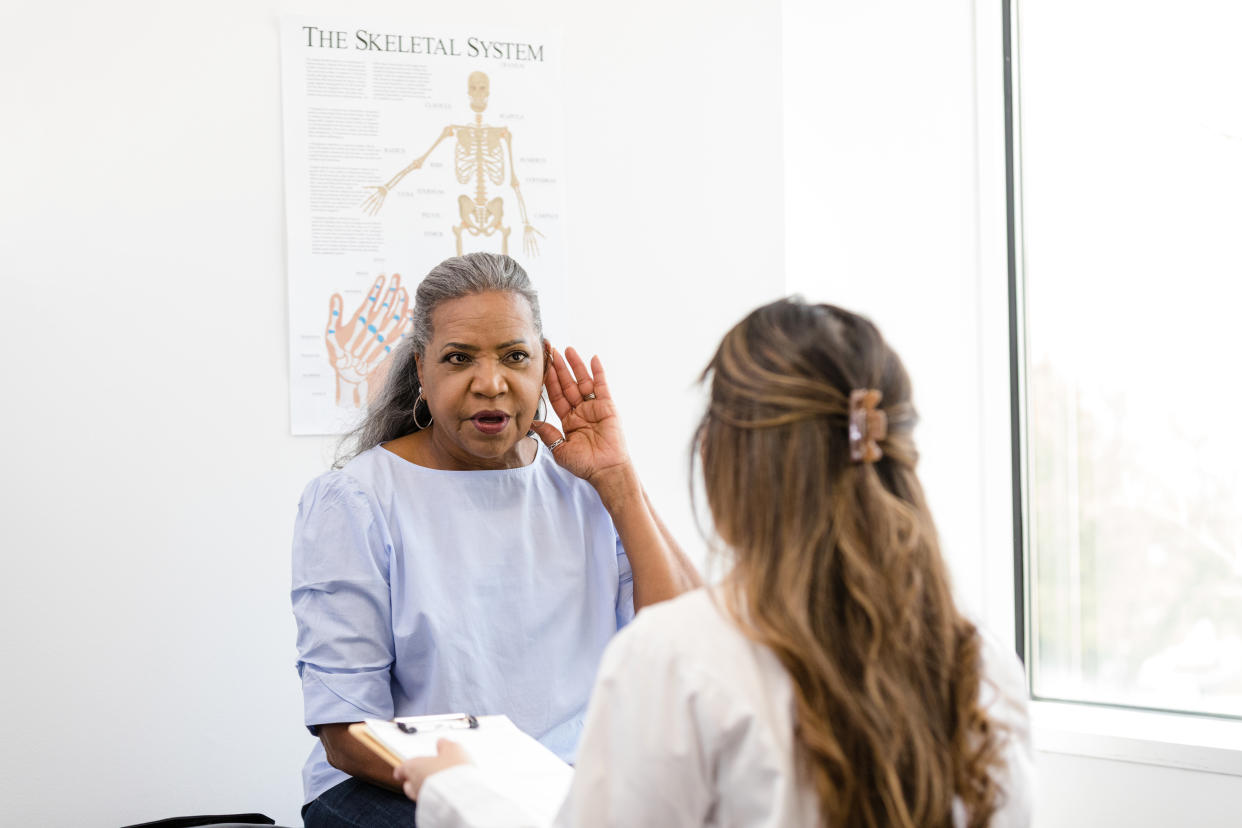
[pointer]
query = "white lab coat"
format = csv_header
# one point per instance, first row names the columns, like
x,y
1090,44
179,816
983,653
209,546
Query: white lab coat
x,y
691,724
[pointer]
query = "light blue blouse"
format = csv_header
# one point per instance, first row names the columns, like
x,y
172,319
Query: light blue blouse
x,y
424,591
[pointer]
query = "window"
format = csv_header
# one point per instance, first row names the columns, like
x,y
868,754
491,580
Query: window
x,y
1127,236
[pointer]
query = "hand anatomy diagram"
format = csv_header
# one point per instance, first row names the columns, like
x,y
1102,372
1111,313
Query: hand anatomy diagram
x,y
359,346
479,158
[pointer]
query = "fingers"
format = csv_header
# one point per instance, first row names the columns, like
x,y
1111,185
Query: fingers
x,y
569,387
452,751
365,309
375,200
601,383
412,773
334,313
391,308
552,382
570,383
390,323
403,329
334,319
377,301
546,431
584,383
410,776
391,297
386,338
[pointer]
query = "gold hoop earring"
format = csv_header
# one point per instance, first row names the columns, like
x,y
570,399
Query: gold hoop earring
x,y
414,413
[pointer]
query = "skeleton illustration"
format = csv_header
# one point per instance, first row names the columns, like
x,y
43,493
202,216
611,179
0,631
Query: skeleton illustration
x,y
479,158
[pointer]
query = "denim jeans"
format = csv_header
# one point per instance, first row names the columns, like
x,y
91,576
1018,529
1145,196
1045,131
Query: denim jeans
x,y
358,804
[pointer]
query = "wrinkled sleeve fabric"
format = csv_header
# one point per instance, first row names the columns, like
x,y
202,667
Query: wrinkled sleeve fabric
x,y
625,587
341,603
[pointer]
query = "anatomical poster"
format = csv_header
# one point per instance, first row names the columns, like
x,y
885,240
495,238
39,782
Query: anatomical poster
x,y
406,144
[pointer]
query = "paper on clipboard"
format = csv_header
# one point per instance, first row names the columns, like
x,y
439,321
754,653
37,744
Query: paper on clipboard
x,y
517,765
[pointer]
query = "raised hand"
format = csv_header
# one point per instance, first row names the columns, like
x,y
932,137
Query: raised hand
x,y
359,346
593,448
594,444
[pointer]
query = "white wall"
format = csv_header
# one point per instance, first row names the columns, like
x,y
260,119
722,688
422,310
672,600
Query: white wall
x,y
151,480
895,207
880,206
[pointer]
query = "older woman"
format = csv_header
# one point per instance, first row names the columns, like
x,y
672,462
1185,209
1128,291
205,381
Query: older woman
x,y
453,564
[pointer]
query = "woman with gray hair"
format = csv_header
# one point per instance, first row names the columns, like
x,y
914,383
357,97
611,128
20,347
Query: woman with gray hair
x,y
450,564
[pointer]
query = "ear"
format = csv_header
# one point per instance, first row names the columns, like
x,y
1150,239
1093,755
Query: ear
x,y
418,369
547,354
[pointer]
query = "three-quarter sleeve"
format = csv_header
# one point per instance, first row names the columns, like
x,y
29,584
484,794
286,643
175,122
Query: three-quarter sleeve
x,y
341,603
625,587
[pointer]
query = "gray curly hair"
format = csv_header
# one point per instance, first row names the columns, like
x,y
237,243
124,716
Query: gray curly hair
x,y
392,414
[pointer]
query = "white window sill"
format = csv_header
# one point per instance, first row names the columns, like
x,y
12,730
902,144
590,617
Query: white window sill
x,y
1200,743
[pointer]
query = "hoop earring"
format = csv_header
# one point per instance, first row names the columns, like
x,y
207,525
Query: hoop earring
x,y
414,412
538,415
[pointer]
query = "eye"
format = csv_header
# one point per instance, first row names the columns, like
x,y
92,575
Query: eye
x,y
456,358
517,357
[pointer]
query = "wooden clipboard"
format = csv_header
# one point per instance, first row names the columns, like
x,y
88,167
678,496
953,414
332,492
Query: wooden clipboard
x,y
362,733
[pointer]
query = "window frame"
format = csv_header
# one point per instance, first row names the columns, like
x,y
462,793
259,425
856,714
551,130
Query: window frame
x,y
1167,738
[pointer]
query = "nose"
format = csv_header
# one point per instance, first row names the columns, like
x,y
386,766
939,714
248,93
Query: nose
x,y
488,379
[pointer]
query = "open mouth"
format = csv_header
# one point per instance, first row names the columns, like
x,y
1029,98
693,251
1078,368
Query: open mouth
x,y
490,422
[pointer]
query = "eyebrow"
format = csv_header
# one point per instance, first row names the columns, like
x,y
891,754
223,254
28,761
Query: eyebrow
x,y
462,346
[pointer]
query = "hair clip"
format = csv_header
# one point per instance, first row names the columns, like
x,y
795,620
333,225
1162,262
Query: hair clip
x,y
867,425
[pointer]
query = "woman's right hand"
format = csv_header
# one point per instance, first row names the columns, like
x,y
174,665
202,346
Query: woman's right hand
x,y
412,773
594,445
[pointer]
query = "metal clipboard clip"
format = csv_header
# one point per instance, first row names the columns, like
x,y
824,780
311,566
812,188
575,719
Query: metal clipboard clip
x,y
425,724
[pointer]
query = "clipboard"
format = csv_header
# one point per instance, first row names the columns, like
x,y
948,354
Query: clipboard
x,y
362,733
441,725
517,766
493,742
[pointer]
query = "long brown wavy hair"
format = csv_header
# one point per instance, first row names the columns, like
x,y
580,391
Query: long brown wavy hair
x,y
838,570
